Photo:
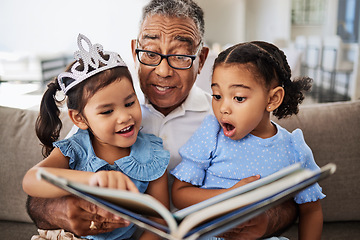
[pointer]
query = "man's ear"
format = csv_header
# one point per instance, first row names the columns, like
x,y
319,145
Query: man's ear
x,y
133,47
78,119
276,96
202,58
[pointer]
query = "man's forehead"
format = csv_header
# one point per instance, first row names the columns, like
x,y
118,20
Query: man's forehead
x,y
160,28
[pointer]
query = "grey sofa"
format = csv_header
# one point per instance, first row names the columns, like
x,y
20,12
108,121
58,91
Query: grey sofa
x,y
332,130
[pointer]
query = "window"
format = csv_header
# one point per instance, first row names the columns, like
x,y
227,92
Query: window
x,y
348,20
308,12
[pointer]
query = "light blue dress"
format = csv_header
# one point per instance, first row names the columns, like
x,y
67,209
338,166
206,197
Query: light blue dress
x,y
147,162
212,160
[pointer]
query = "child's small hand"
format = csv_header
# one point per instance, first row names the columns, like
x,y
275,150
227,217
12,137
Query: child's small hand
x,y
245,181
112,179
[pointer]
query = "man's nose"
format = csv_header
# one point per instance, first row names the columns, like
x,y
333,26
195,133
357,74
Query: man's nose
x,y
164,69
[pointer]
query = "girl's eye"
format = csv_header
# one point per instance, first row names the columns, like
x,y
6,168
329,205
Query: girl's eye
x,y
107,112
239,99
216,97
129,104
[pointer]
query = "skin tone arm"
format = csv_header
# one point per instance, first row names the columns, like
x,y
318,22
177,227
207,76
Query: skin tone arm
x,y
57,164
159,190
73,214
185,194
310,220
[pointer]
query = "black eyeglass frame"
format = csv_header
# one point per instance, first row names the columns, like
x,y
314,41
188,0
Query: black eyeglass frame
x,y
166,56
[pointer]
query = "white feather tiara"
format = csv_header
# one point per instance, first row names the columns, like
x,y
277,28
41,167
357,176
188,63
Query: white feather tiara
x,y
91,61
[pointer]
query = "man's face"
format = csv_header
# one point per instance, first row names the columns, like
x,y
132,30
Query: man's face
x,y
166,87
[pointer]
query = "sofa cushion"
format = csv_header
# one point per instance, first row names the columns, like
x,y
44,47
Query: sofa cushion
x,y
332,130
17,230
19,150
331,231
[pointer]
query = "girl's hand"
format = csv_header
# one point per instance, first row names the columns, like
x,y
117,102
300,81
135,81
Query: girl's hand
x,y
112,179
246,181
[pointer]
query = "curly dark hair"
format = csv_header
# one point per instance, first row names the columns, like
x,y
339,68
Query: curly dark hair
x,y
270,63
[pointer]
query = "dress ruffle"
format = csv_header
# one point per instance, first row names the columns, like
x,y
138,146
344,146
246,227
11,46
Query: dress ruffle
x,y
310,194
303,154
147,160
191,172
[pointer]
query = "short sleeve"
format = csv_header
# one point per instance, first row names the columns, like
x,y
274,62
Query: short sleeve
x,y
148,159
197,152
76,147
303,154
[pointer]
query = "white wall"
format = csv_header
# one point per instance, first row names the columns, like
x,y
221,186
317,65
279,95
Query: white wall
x,y
46,27
224,21
234,21
268,20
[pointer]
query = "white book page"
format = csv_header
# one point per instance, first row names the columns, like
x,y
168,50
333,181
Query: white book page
x,y
242,200
248,187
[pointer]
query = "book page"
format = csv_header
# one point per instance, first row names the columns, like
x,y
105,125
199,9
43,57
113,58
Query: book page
x,y
242,200
181,214
134,203
247,204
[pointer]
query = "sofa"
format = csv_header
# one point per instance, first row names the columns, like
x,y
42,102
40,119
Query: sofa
x,y
332,130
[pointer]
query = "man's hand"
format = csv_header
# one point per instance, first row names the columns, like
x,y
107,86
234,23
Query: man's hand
x,y
270,223
72,214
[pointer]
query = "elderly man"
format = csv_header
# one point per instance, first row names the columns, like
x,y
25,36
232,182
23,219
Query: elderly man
x,y
174,107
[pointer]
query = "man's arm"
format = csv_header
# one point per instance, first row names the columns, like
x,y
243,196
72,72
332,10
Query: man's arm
x,y
272,222
281,218
38,211
72,214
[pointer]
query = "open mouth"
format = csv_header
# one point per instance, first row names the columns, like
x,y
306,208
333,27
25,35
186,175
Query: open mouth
x,y
228,127
162,89
126,130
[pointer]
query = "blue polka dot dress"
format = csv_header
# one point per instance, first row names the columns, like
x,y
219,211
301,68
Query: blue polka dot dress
x,y
212,160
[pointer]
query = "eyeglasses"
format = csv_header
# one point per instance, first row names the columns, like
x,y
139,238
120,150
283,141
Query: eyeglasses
x,y
177,61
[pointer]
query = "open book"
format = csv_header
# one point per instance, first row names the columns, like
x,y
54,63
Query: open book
x,y
207,218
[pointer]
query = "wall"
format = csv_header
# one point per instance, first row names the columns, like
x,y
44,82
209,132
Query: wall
x,y
234,21
268,20
44,27
224,21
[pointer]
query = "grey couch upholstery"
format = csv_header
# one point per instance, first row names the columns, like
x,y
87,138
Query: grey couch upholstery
x,y
19,151
332,130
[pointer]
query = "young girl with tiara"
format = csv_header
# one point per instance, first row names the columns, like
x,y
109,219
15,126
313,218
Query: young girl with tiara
x,y
249,81
108,150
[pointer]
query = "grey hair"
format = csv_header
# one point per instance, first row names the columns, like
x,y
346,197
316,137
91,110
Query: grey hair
x,y
176,8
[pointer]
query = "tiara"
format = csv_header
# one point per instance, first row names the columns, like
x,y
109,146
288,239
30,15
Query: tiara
x,y
91,61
